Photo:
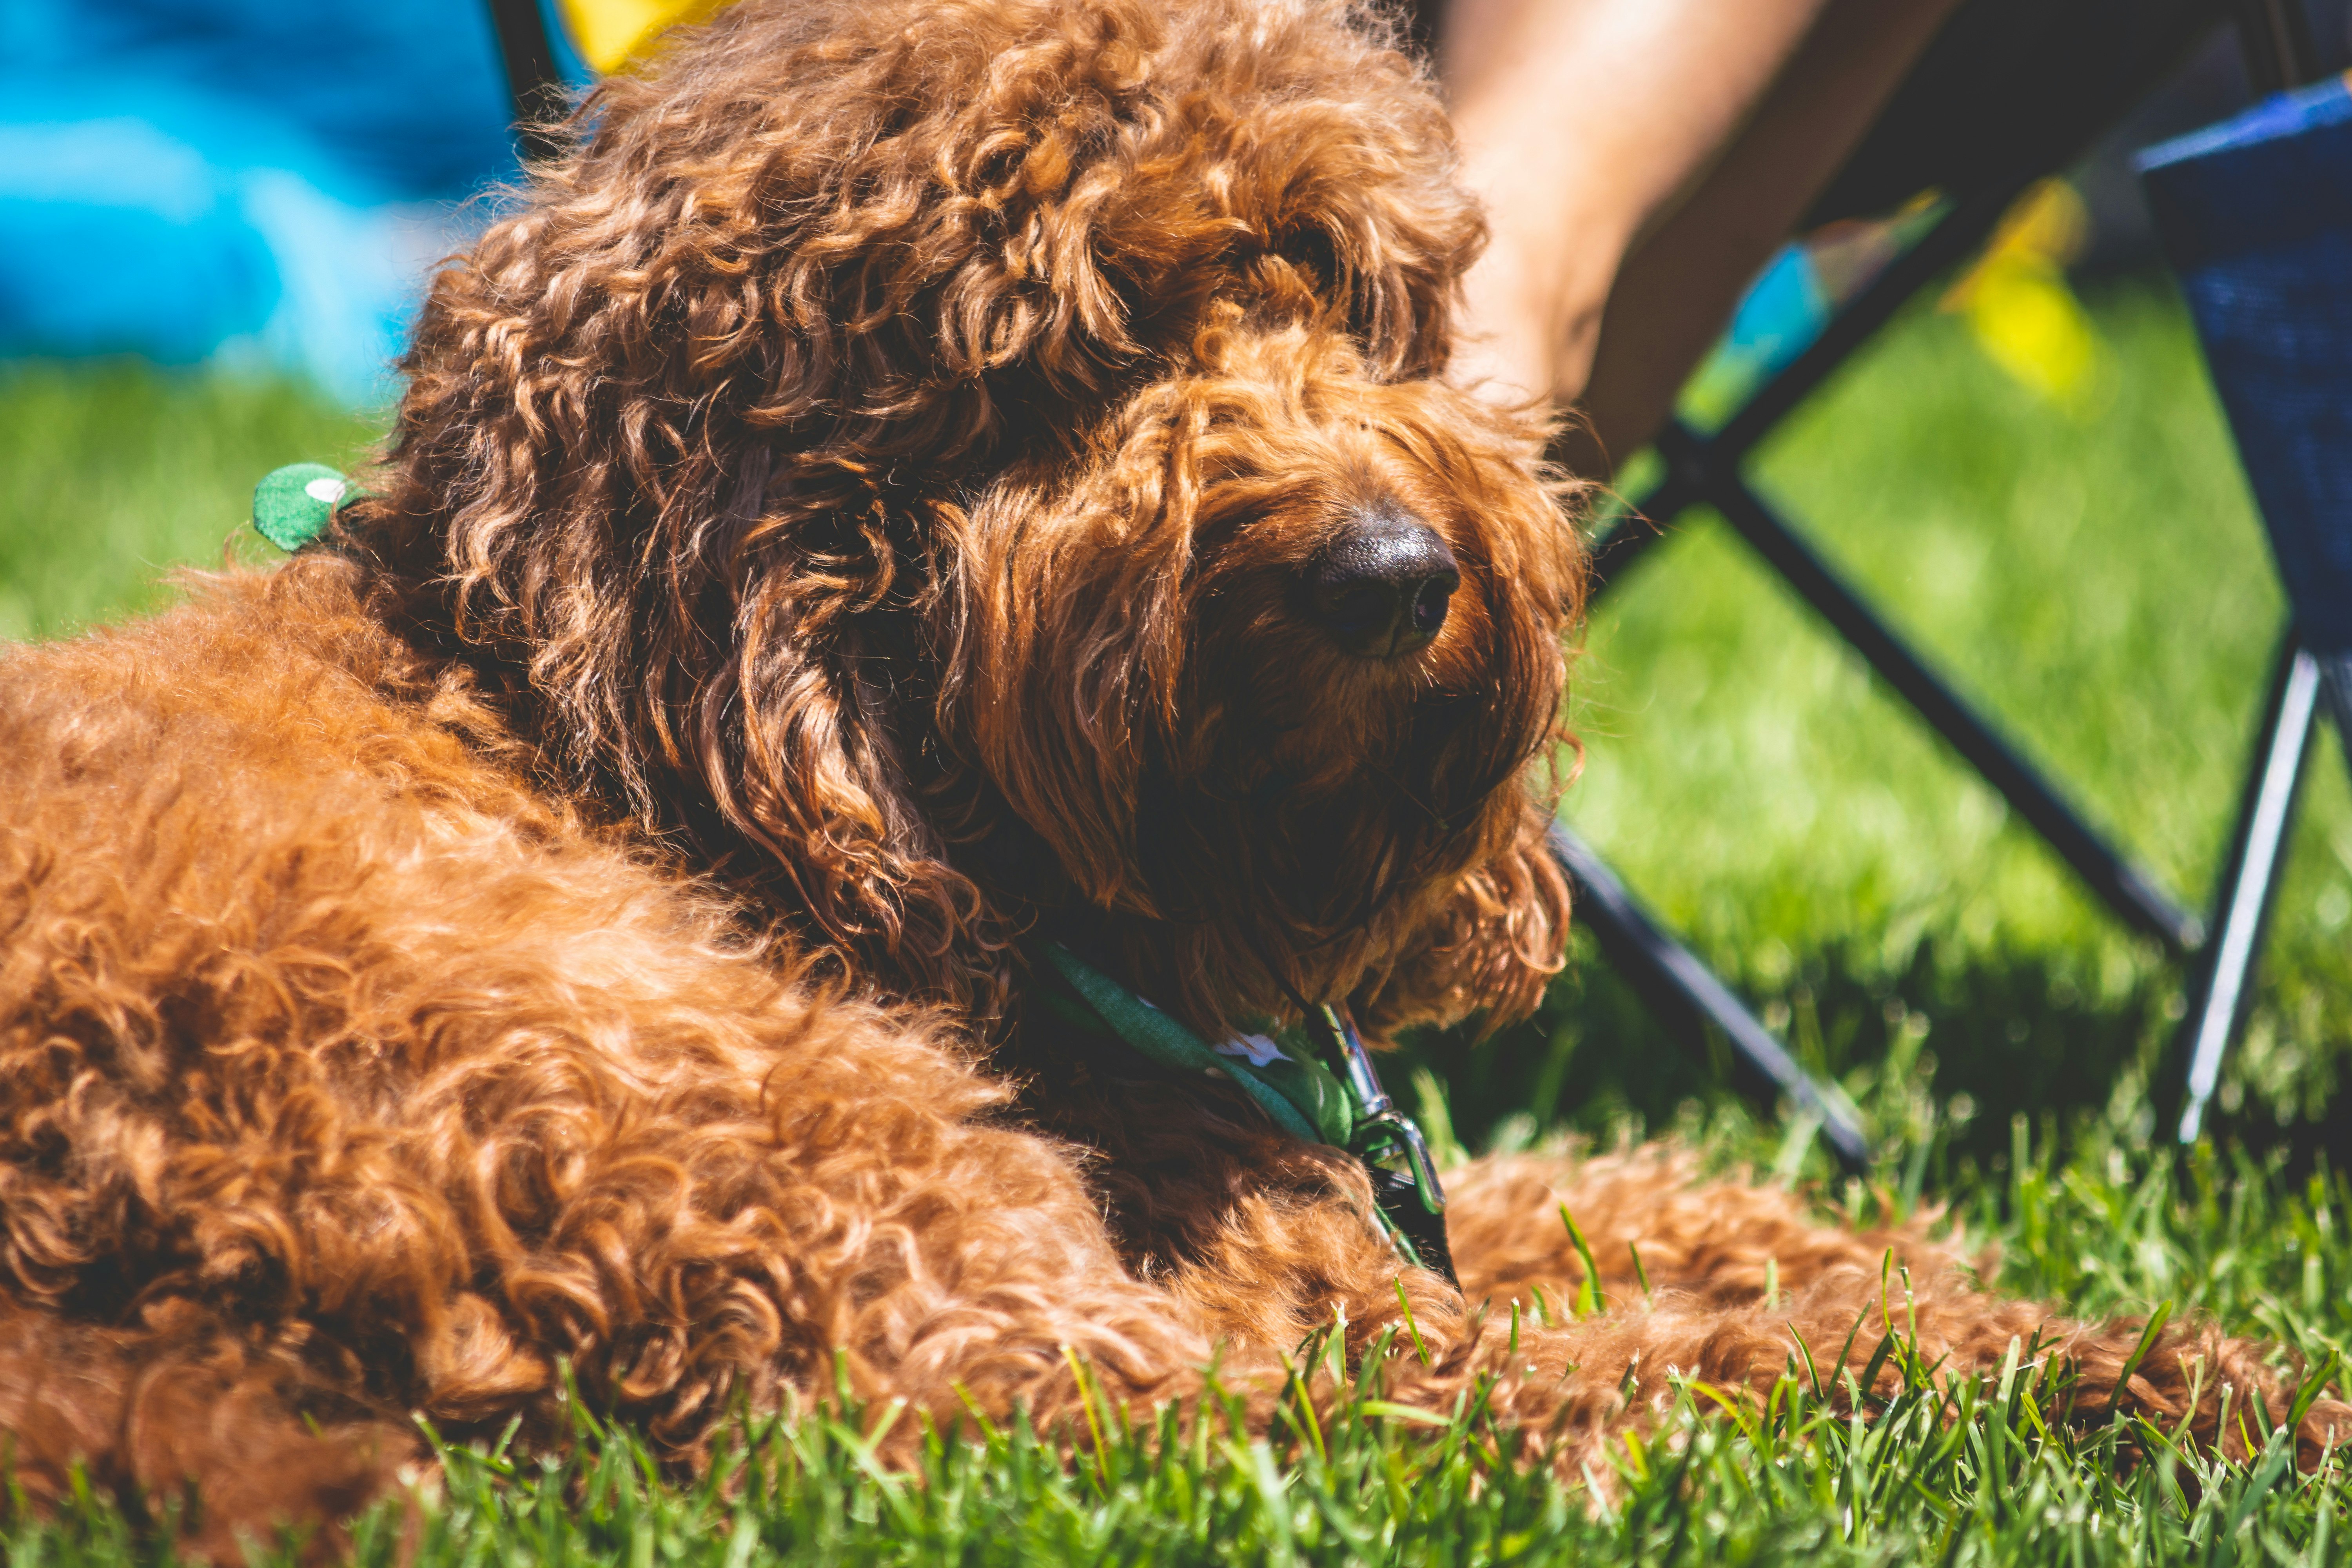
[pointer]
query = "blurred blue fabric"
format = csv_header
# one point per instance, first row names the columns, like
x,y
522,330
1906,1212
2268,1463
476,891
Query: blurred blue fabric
x,y
2256,216
248,180
1782,312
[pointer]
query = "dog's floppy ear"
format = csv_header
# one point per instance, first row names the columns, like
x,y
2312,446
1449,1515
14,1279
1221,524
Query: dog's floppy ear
x,y
1067,646
714,640
673,436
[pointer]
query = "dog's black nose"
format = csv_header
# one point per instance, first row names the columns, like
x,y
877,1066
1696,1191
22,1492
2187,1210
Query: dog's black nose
x,y
1381,587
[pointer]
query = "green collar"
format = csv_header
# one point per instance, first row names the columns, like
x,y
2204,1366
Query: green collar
x,y
1282,1073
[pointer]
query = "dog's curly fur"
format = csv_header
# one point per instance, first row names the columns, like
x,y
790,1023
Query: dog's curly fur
x,y
848,517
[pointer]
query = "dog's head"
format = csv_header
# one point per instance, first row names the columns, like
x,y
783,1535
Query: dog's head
x,y
968,463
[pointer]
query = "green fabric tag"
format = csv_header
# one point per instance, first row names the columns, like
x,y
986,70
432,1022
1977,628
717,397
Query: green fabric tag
x,y
293,505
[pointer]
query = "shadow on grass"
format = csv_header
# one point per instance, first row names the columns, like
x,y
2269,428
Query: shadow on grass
x,y
1980,1036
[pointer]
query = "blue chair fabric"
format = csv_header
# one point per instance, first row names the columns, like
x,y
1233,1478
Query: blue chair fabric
x,y
2256,216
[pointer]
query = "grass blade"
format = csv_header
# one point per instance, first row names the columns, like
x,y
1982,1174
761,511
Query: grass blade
x,y
1588,1295
2163,1315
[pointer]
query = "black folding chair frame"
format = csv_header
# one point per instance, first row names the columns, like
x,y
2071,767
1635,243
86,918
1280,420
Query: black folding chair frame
x,y
1707,469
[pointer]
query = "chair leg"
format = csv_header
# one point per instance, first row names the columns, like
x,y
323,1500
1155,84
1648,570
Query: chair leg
x,y
533,84
2241,911
2335,688
2105,870
1673,981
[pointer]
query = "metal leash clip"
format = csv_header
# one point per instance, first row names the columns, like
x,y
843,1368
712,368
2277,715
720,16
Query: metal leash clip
x,y
1379,1113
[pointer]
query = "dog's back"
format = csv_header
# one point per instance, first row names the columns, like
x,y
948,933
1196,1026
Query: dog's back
x,y
344,1078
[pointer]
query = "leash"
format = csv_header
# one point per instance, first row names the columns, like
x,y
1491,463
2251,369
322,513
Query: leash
x,y
1283,1075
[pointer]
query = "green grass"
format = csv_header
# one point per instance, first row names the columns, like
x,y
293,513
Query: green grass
x,y
2099,583
111,473
1947,1471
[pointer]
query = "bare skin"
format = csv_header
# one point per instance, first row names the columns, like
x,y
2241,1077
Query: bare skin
x,y
1640,160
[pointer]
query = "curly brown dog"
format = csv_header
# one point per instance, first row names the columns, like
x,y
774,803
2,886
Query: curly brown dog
x,y
914,477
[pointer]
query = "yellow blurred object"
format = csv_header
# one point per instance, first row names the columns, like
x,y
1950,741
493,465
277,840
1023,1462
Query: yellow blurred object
x,y
611,33
2031,325
2018,304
